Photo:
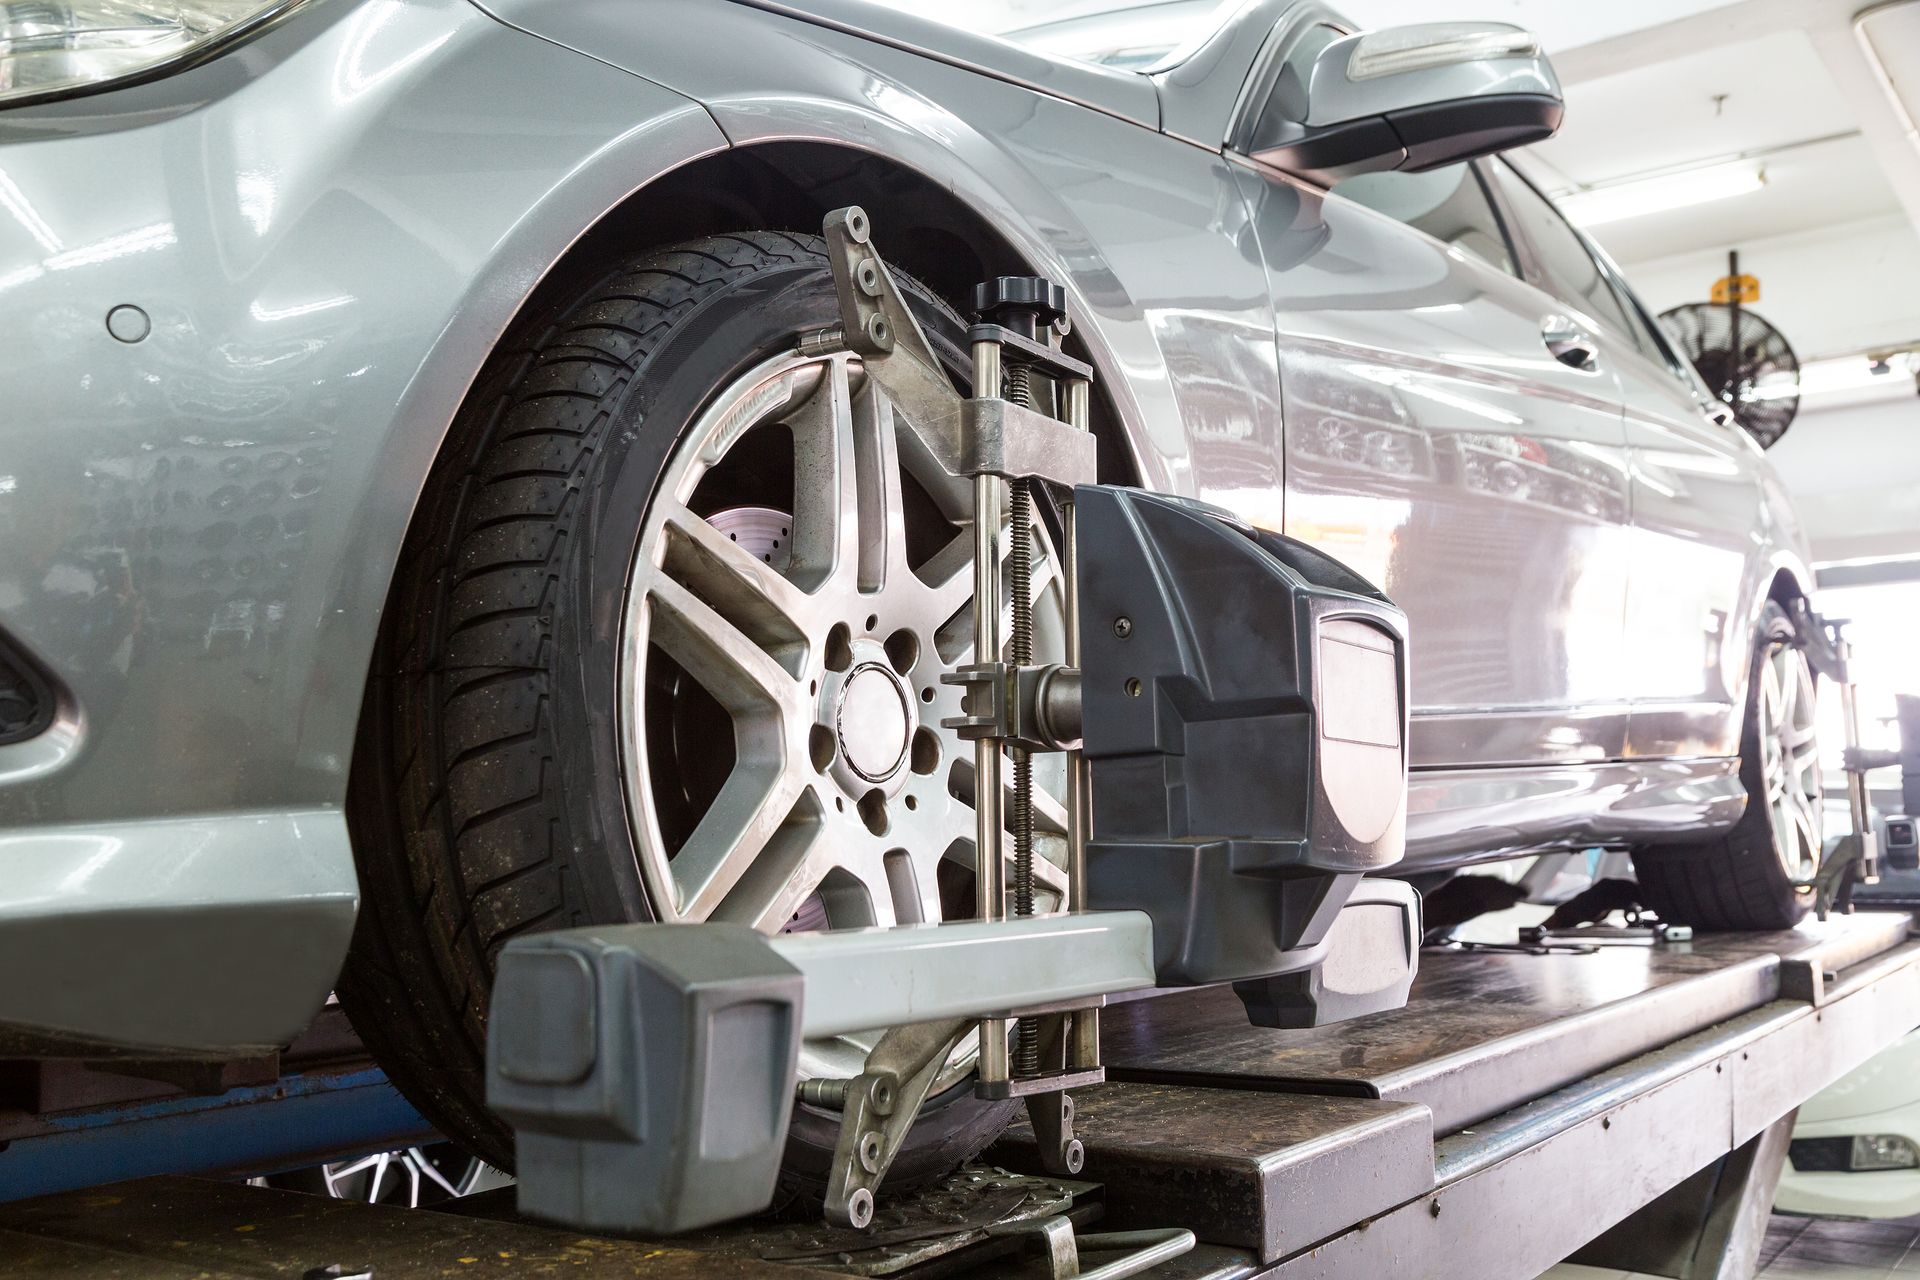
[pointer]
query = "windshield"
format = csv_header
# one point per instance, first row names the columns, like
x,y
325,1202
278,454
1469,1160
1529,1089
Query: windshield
x,y
1126,34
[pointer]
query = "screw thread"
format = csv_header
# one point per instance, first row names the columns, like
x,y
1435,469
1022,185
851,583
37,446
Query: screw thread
x,y
1020,652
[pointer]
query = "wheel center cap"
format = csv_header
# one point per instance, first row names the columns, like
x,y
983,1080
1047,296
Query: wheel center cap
x,y
872,722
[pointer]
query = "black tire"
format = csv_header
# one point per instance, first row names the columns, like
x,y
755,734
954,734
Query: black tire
x,y
486,799
1736,881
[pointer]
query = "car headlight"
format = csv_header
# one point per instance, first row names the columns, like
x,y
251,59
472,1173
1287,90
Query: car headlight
x,y
57,48
1872,1151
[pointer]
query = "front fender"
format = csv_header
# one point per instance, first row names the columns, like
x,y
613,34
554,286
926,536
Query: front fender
x,y
327,233
1025,161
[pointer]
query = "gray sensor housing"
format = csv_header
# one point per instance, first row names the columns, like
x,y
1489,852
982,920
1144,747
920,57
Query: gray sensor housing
x,y
647,1071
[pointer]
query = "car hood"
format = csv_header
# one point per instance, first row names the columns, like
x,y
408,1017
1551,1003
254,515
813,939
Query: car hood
x,y
1117,93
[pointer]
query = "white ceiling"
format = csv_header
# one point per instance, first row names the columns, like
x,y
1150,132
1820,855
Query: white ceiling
x,y
1560,24
1772,98
1771,90
1809,186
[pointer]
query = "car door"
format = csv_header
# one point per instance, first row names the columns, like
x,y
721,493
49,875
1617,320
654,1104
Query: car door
x,y
1436,444
1695,493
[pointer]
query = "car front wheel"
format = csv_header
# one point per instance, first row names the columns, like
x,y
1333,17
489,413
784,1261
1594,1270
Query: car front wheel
x,y
666,643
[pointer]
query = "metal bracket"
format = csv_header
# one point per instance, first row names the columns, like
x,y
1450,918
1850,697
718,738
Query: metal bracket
x,y
1052,1117
1033,707
966,437
1000,438
1820,638
881,1105
997,440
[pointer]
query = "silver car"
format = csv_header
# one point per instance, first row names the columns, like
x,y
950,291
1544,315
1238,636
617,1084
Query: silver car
x,y
419,525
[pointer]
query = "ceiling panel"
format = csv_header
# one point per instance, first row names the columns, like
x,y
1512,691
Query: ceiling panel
x,y
1560,24
1807,188
1661,116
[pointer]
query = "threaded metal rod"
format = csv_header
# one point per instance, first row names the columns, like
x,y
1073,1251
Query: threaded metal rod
x,y
1026,1060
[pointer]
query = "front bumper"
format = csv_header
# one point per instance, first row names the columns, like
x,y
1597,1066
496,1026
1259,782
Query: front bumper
x,y
322,235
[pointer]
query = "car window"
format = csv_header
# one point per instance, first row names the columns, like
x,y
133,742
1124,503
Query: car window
x,y
1567,270
1449,204
1129,36
1653,339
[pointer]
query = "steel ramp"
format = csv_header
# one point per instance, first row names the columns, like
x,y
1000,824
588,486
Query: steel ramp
x,y
1479,1159
1484,1031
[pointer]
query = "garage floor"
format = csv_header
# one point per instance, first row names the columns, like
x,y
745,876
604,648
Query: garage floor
x,y
1814,1249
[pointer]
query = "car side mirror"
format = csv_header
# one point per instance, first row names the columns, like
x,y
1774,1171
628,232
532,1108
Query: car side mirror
x,y
1410,98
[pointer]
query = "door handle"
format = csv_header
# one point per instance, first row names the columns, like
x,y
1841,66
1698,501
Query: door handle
x,y
1570,344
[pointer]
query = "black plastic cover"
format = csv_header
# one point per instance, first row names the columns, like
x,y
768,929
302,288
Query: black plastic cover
x,y
1245,717
1372,954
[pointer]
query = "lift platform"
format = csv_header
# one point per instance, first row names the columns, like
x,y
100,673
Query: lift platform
x,y
1624,1105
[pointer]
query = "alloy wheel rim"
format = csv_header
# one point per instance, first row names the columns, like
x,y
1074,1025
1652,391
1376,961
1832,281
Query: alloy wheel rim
x,y
1790,760
824,650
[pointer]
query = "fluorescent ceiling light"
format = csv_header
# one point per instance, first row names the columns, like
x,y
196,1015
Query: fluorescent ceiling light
x,y
1893,373
1596,205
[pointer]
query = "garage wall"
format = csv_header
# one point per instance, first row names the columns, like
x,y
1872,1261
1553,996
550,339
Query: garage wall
x,y
1853,468
1833,291
1854,472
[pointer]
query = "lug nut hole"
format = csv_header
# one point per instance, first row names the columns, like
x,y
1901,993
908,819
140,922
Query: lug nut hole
x,y
903,650
820,747
924,754
873,812
839,654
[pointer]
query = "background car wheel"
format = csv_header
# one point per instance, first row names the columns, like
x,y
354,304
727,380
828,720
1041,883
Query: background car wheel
x,y
661,555
1749,878
410,1178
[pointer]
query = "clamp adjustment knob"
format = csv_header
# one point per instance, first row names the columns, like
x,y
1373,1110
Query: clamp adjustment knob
x,y
1024,304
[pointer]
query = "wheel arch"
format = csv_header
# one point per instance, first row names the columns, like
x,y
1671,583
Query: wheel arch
x,y
921,225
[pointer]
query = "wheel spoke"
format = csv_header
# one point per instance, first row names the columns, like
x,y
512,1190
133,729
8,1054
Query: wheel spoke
x,y
1049,814
949,579
1769,699
882,515
752,807
791,866
1789,686
1807,828
1051,877
949,574
426,1167
741,676
826,503
745,590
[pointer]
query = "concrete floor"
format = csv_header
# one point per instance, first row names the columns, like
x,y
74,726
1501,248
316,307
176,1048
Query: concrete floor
x,y
1814,1249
